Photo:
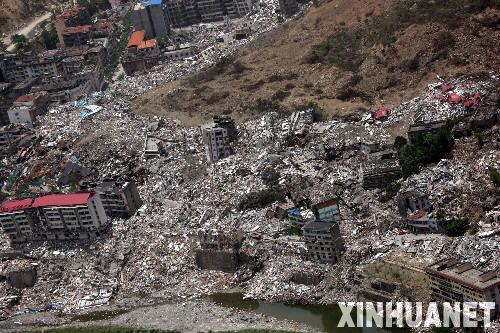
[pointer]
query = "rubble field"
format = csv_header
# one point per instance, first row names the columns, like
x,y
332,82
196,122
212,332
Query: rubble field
x,y
150,256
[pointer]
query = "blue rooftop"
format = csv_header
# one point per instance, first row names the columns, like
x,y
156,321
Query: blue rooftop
x,y
152,2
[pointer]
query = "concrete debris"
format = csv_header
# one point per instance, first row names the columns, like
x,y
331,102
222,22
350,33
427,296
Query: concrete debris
x,y
277,163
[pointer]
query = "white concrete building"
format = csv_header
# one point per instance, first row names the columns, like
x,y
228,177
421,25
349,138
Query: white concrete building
x,y
216,143
53,217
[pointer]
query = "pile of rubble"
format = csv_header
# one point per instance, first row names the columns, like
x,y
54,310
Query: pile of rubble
x,y
152,253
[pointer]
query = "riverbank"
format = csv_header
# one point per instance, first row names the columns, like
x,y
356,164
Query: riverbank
x,y
188,316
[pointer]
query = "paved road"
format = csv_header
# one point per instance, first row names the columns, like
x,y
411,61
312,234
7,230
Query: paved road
x,y
27,30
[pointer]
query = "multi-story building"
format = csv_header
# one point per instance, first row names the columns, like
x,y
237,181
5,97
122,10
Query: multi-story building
x,y
413,201
216,143
380,173
288,7
73,17
119,200
7,97
53,217
20,67
453,281
183,13
142,54
151,16
27,107
324,241
322,235
76,36
67,216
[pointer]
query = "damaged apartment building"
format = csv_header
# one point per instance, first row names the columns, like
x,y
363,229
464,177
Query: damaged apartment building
x,y
453,281
216,138
141,53
157,16
67,216
380,170
322,235
65,75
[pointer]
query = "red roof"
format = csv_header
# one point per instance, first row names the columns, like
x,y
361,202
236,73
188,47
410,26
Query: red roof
x,y
327,203
76,30
471,102
454,98
27,98
381,113
148,44
447,87
72,12
15,205
417,215
62,200
136,38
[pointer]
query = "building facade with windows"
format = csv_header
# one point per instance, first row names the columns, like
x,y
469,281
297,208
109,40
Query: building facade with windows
x,y
454,281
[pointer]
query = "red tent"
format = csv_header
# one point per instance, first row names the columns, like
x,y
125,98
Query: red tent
x,y
381,113
454,98
447,87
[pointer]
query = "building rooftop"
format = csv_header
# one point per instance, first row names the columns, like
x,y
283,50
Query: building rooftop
x,y
77,30
152,2
327,203
15,205
72,12
51,200
464,273
28,98
62,200
136,38
146,44
315,225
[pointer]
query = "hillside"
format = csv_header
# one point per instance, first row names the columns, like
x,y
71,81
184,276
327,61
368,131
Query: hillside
x,y
346,56
16,12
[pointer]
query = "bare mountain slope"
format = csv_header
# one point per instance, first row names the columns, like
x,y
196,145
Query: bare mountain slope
x,y
15,12
345,55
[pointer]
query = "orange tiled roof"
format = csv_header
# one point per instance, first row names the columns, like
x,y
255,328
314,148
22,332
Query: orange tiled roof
x,y
148,44
136,38
72,12
78,29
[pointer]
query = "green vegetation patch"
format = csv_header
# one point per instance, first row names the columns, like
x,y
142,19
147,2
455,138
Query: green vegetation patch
x,y
343,49
429,148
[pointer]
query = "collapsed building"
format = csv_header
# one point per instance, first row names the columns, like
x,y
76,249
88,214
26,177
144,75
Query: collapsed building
x,y
218,251
412,201
288,7
380,173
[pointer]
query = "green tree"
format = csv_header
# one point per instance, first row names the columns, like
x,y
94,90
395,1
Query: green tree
x,y
50,38
21,42
428,148
399,142
454,227
495,176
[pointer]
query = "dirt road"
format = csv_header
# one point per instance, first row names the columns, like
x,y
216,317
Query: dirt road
x,y
28,30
